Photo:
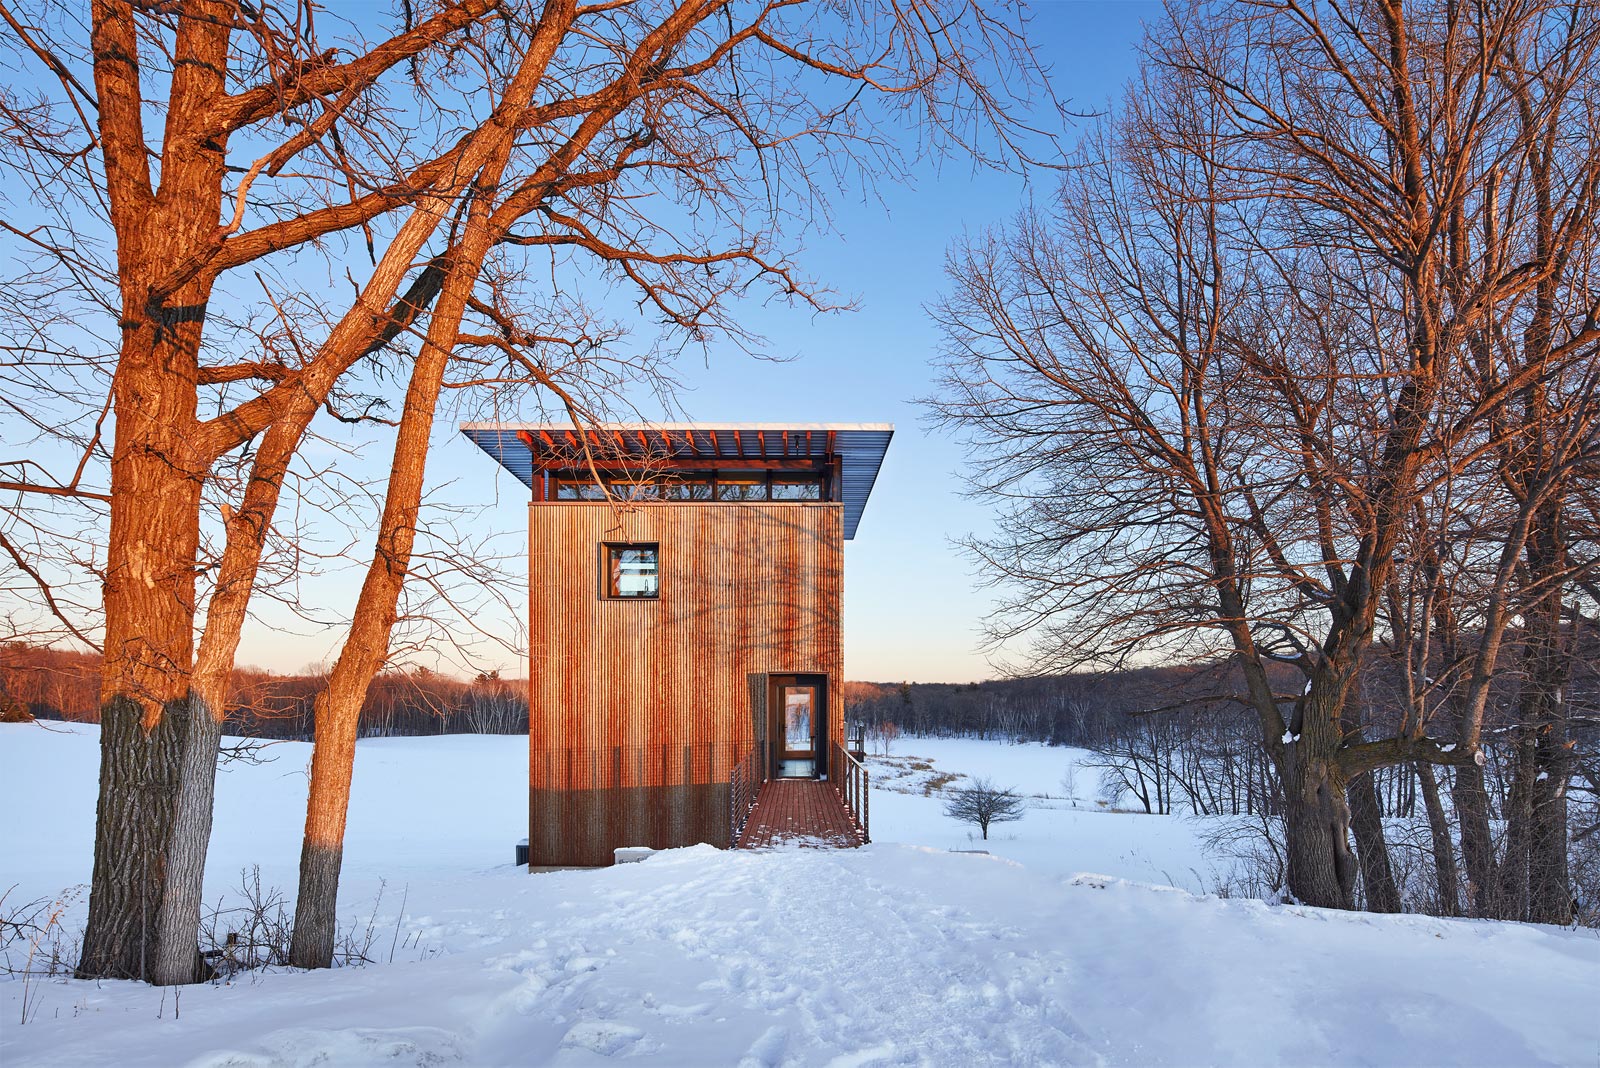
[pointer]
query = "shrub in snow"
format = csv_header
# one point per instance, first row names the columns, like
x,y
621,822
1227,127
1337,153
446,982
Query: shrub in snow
x,y
983,803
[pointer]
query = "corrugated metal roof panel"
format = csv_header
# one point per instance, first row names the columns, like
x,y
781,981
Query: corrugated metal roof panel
x,y
859,446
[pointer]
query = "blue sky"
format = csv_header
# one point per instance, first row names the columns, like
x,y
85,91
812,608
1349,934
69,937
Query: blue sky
x,y
913,609
913,606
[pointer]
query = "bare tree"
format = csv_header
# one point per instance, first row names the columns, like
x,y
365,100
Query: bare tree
x,y
1215,384
458,153
984,803
1491,560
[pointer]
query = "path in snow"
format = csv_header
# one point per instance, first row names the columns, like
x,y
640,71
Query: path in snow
x,y
884,956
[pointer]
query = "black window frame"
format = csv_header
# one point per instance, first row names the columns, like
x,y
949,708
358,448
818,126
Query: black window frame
x,y
607,549
671,487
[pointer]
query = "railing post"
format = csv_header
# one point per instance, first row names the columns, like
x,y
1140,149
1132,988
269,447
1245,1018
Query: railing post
x,y
866,815
735,790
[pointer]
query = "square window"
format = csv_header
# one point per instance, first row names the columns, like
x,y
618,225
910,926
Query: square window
x,y
631,571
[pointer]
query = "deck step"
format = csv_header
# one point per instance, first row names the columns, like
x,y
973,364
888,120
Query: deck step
x,y
806,812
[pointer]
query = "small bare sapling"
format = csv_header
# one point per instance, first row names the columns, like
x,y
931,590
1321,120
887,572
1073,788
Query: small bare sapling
x,y
984,803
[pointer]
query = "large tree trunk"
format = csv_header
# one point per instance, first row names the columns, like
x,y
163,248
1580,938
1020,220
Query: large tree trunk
x,y
1377,876
1544,714
1471,800
177,921
322,852
366,647
155,765
1549,880
1511,875
133,822
149,648
1444,849
1322,869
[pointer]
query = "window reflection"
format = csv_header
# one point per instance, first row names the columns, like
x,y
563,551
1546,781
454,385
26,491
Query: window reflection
x,y
576,490
724,486
688,489
741,487
643,490
797,717
796,489
632,571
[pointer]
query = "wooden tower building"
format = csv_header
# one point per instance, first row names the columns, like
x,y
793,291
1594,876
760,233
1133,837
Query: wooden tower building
x,y
685,646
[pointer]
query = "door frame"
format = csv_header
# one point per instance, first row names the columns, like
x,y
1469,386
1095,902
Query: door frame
x,y
819,721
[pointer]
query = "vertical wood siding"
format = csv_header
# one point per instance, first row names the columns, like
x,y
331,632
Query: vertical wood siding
x,y
667,693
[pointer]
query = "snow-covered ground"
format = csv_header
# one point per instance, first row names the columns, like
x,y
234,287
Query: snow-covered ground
x,y
1029,768
1064,831
899,953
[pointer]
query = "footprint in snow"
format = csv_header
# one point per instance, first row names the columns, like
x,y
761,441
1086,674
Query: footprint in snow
x,y
766,1051
605,1037
673,1012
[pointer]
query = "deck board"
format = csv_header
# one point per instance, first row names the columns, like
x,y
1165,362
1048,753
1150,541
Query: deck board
x,y
806,812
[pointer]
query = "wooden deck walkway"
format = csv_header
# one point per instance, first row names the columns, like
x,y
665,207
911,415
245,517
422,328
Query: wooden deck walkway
x,y
806,812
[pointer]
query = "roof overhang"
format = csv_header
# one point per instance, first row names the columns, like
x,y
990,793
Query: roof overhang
x,y
528,449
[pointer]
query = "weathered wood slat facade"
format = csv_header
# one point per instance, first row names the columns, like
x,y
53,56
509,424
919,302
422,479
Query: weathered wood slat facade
x,y
685,597
639,708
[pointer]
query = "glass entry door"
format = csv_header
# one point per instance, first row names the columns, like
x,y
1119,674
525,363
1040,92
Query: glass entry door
x,y
799,712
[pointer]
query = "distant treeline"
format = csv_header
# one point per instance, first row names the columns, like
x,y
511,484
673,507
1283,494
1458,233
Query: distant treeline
x,y
1099,711
1092,712
1096,710
1171,736
1175,738
1086,710
48,683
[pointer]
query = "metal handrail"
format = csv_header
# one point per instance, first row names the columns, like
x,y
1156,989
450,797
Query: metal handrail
x,y
850,778
744,784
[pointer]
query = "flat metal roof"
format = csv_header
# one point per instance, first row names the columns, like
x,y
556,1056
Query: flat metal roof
x,y
521,448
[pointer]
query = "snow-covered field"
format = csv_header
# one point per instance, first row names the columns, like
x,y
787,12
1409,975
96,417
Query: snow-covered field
x,y
899,953
1063,832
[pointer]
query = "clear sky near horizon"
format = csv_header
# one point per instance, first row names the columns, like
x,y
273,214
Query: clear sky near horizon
x,y
913,604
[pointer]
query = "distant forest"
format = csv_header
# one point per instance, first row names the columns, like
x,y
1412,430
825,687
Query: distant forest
x,y
48,683
1092,711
